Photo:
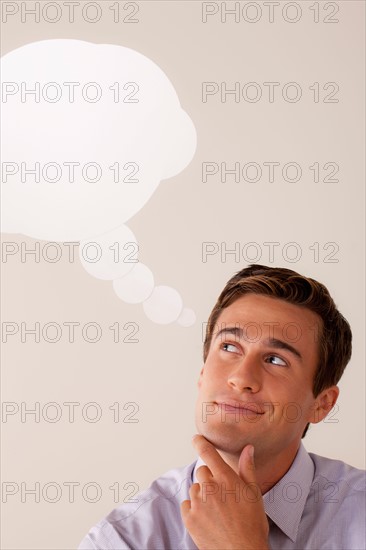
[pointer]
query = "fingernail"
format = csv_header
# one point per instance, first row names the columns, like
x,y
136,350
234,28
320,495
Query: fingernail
x,y
251,452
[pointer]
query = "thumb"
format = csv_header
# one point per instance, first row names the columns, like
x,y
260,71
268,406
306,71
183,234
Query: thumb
x,y
247,465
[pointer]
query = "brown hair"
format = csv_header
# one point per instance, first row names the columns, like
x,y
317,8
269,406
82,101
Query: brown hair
x,y
335,340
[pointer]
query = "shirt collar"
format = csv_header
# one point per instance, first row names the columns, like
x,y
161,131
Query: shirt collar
x,y
285,502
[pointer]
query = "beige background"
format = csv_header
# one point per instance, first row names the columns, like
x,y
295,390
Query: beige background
x,y
159,372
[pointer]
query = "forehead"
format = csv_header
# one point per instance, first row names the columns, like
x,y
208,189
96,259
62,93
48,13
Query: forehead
x,y
254,311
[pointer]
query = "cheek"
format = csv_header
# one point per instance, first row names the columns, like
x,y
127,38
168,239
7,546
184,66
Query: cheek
x,y
295,406
216,374
211,378
282,392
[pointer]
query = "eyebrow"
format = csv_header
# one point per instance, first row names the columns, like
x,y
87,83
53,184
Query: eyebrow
x,y
271,342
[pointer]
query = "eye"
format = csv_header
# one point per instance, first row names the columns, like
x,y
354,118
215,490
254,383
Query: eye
x,y
227,345
275,360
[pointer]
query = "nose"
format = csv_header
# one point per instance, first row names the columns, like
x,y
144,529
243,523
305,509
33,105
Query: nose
x,y
246,375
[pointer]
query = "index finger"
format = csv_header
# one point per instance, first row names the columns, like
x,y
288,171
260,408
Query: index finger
x,y
210,455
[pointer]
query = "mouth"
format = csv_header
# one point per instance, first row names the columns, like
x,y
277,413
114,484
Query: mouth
x,y
236,406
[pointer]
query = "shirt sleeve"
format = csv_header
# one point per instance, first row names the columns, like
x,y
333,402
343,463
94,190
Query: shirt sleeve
x,y
103,537
152,520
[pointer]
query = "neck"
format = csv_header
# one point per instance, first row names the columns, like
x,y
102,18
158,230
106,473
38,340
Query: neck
x,y
269,469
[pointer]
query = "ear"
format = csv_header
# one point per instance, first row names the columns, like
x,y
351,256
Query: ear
x,y
199,381
324,403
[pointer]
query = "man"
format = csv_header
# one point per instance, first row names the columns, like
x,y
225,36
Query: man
x,y
275,349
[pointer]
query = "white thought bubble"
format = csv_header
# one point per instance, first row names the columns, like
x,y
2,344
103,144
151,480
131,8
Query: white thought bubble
x,y
88,132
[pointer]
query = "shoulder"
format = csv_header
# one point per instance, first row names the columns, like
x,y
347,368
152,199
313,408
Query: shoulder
x,y
336,471
338,492
150,519
165,492
334,513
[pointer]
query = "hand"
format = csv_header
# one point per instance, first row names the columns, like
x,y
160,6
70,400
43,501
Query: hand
x,y
226,510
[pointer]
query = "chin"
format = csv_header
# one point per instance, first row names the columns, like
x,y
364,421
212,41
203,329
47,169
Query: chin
x,y
223,437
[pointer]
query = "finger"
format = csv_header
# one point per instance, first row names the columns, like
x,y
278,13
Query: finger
x,y
247,465
185,508
194,490
210,456
203,473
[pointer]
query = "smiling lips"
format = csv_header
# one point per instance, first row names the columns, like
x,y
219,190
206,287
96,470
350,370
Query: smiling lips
x,y
229,405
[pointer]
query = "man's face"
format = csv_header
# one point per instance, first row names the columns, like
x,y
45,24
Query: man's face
x,y
265,370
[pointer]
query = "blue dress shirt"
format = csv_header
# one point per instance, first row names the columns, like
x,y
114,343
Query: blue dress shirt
x,y
319,504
